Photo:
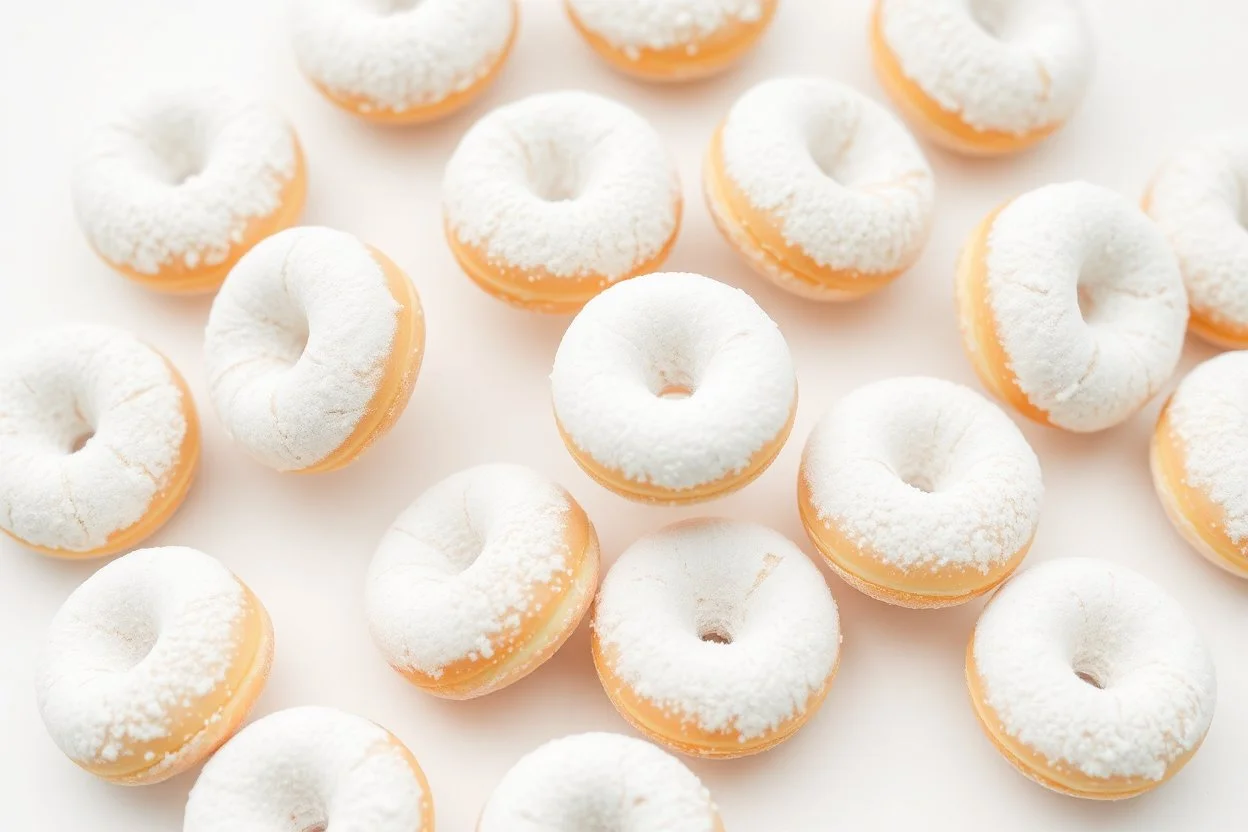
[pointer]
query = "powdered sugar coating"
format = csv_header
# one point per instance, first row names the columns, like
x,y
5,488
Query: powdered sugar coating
x,y
310,768
178,175
1061,247
846,182
137,643
1198,199
568,184
63,385
633,25
400,54
665,330
1013,66
297,344
599,781
729,579
924,474
1208,414
456,572
1156,680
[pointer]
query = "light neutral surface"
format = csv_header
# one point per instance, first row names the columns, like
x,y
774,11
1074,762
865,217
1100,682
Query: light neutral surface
x,y
896,745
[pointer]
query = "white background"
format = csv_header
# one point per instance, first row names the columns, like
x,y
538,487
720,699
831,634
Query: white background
x,y
896,744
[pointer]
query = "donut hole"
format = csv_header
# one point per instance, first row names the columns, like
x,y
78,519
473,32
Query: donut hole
x,y
716,633
675,391
124,639
920,480
997,18
81,441
672,383
555,176
1090,678
176,148
319,826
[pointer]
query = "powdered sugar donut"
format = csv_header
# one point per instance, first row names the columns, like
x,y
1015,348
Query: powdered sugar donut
x,y
1199,455
599,781
673,388
819,188
151,664
919,492
99,441
671,40
312,349
481,580
402,61
716,638
1090,680
1196,198
176,188
1071,306
551,199
310,769
985,77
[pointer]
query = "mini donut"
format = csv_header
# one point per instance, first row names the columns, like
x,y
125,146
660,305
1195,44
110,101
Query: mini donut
x,y
180,185
481,579
1071,306
402,61
673,388
151,664
1197,199
1199,453
919,492
99,441
819,188
599,781
671,40
549,200
311,769
1089,679
312,348
716,638
984,78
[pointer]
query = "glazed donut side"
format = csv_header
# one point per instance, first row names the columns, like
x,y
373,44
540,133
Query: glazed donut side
x,y
1090,680
481,580
919,492
805,150
151,664
655,48
100,437
1196,200
673,388
1071,306
551,199
584,781
311,768
976,90
706,596
312,349
182,184
1195,455
388,67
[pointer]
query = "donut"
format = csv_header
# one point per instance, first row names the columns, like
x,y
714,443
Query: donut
x,y
311,769
983,78
402,61
99,441
1071,306
481,579
599,781
919,492
1197,198
549,200
1089,679
673,388
312,348
1198,454
151,664
671,40
716,638
819,188
183,182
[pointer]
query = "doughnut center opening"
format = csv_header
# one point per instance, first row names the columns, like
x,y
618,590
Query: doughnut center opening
x,y
715,634
81,441
920,480
557,180
1090,678
177,149
319,826
993,16
675,391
